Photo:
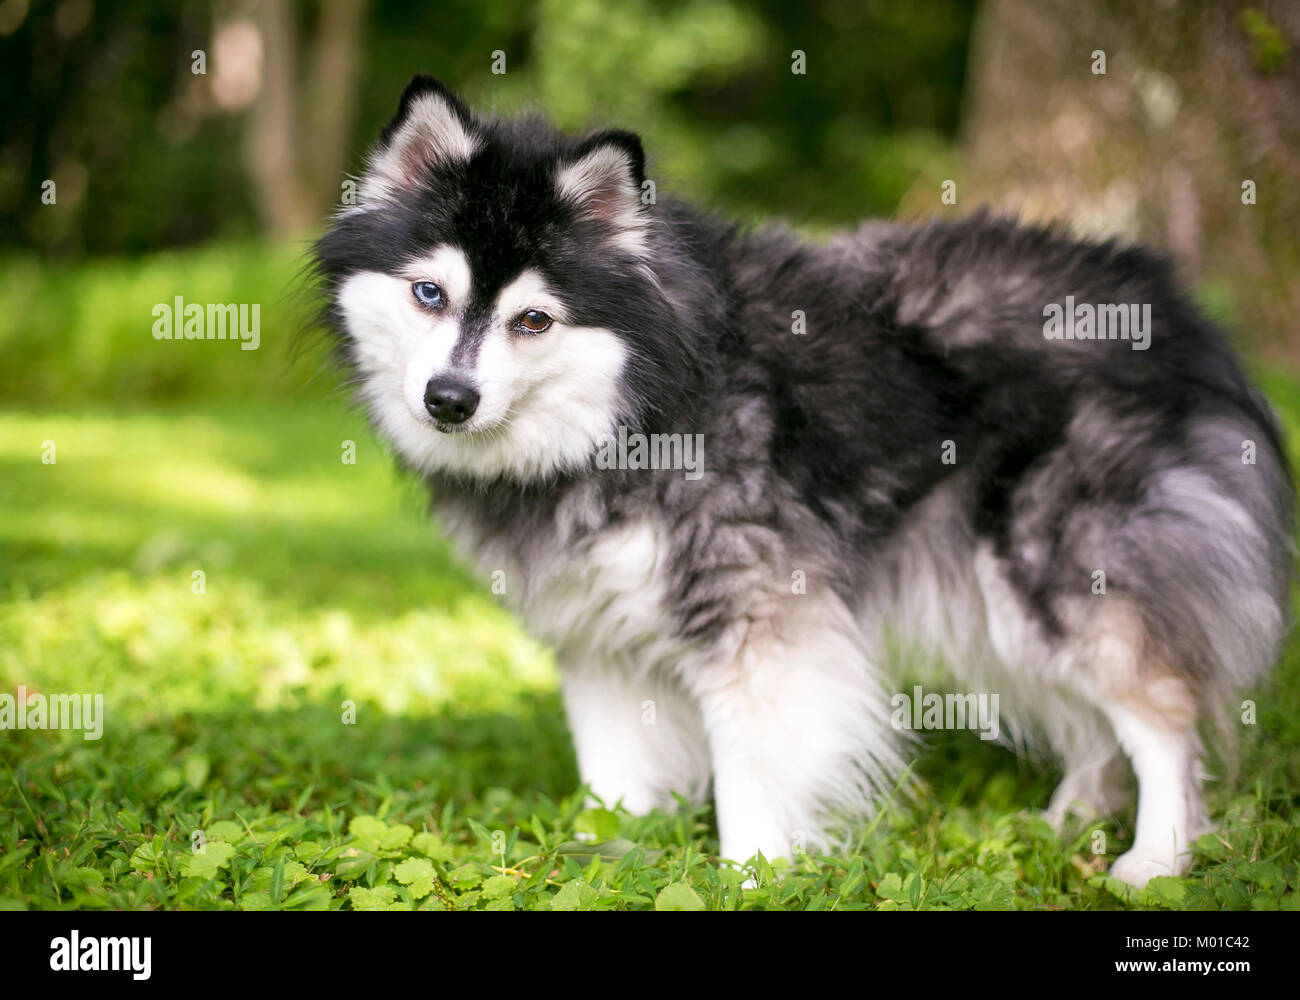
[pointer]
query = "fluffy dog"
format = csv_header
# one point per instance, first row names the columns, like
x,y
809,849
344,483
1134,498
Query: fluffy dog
x,y
740,481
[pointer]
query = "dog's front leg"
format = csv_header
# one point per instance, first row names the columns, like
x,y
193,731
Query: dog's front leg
x,y
638,739
799,734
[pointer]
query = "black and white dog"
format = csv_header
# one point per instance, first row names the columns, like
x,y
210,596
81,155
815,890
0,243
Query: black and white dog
x,y
737,479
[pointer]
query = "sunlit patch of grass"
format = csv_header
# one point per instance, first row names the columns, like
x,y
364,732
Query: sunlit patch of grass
x,y
155,540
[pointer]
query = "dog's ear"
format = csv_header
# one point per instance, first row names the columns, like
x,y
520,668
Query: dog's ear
x,y
602,178
432,128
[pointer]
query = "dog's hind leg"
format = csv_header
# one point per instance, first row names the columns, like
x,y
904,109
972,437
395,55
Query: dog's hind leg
x,y
1096,782
1102,689
1171,808
1153,710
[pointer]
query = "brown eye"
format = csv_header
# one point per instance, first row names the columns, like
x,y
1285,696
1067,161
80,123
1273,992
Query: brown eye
x,y
534,321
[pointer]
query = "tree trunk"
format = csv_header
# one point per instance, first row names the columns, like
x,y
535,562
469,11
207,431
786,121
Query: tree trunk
x,y
1196,100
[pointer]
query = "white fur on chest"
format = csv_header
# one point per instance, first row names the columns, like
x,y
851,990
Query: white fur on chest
x,y
600,601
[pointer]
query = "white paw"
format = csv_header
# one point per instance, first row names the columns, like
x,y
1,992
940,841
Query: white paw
x,y
739,857
1061,812
1099,804
1055,817
1138,867
779,858
751,881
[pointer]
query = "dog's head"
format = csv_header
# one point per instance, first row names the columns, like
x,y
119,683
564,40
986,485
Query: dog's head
x,y
496,290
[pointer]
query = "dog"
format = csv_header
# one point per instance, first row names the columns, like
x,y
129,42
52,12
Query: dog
x,y
744,484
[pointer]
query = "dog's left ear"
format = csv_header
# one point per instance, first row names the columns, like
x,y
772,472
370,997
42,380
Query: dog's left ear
x,y
602,179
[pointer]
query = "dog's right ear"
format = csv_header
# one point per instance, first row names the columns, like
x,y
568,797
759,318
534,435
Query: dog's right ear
x,y
432,128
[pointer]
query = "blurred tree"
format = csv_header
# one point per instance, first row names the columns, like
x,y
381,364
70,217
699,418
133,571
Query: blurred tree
x,y
1189,139
301,124
146,152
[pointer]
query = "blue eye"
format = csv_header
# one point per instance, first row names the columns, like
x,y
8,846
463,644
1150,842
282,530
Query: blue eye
x,y
428,294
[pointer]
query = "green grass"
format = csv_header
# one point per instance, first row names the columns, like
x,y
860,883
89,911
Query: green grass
x,y
455,786
82,330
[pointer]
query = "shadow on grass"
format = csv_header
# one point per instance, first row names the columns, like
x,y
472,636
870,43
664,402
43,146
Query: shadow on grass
x,y
293,761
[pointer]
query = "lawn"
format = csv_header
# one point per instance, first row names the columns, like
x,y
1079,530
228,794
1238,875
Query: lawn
x,y
310,705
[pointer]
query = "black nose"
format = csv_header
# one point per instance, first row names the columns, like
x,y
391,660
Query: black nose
x,y
449,400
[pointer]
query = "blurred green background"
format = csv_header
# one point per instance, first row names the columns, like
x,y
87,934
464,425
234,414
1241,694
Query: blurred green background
x,y
323,581
154,155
